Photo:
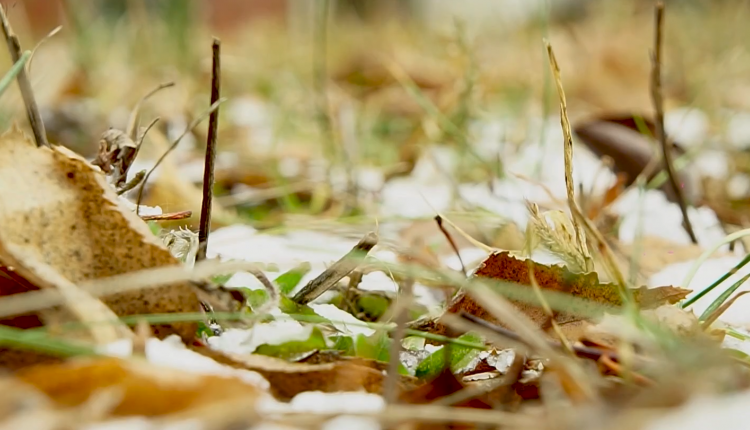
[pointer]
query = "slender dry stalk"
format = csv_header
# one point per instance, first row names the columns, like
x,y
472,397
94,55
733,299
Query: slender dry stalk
x,y
449,238
210,160
32,110
658,100
403,305
132,127
568,142
328,279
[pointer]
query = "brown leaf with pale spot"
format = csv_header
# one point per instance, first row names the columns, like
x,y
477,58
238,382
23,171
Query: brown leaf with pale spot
x,y
145,389
596,296
62,224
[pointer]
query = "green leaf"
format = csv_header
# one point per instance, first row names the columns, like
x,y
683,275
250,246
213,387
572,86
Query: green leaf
x,y
376,346
461,356
432,365
221,279
344,344
154,227
293,348
289,280
289,307
203,329
373,305
413,343
255,298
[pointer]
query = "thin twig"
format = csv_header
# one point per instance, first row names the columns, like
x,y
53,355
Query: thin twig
x,y
403,305
135,114
326,280
148,128
174,216
271,289
32,110
568,152
171,148
449,238
137,178
210,160
658,100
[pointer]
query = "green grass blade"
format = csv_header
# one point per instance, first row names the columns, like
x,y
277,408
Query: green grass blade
x,y
31,340
723,278
723,297
14,71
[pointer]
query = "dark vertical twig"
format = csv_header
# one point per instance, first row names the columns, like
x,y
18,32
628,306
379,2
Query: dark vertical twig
x,y
32,110
449,238
658,100
208,165
390,390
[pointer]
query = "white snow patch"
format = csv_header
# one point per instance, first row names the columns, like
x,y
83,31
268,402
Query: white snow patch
x,y
471,257
348,422
738,186
341,402
246,341
378,281
728,412
687,126
343,321
410,199
171,352
738,130
661,218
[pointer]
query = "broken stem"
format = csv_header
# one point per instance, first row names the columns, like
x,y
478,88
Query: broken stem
x,y
210,160
32,110
326,280
658,100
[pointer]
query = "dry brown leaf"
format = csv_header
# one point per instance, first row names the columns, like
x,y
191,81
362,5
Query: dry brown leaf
x,y
502,266
62,224
289,379
145,389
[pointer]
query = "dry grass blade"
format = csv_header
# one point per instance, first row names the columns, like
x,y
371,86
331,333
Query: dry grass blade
x,y
49,35
568,136
661,136
328,279
32,110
